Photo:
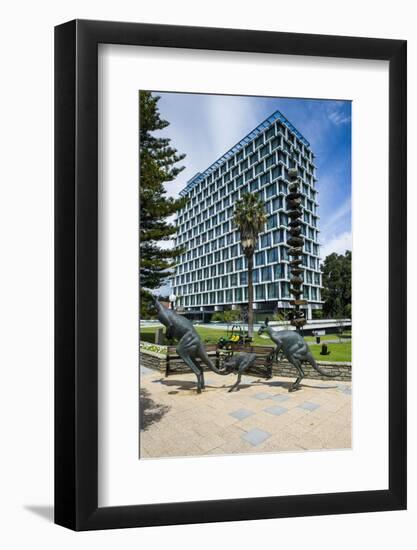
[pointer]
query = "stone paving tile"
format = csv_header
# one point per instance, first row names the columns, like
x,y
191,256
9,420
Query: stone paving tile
x,y
261,396
251,420
309,406
276,410
256,436
241,414
280,397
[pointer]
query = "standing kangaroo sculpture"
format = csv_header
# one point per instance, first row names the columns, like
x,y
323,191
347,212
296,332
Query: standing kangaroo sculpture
x,y
190,346
295,349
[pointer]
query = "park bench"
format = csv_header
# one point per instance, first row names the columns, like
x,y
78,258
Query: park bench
x,y
261,367
174,360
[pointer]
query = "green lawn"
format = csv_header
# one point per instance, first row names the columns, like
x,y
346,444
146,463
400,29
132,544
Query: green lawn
x,y
338,351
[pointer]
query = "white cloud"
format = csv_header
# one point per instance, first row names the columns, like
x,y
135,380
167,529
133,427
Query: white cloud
x,y
338,244
339,118
341,213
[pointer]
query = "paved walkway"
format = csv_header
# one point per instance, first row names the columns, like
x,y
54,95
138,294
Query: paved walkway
x,y
261,417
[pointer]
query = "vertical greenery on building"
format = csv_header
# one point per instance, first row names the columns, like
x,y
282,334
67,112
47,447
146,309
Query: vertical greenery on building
x,y
157,167
337,285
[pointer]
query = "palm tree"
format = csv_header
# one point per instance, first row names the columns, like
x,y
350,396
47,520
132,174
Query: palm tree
x,y
250,218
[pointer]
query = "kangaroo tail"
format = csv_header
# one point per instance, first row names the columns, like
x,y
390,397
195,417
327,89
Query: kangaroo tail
x,y
207,361
320,371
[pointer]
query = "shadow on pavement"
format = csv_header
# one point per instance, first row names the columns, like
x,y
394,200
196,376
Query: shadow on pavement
x,y
150,412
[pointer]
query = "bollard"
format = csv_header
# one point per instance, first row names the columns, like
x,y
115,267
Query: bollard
x,y
324,350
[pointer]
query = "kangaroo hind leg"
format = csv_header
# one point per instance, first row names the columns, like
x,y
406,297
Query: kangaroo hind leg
x,y
297,364
183,349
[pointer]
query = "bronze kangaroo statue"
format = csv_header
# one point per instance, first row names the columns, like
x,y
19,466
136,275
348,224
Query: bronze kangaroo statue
x,y
190,346
295,349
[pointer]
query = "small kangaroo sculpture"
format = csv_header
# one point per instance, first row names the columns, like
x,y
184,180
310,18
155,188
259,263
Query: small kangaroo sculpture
x,y
239,363
295,349
190,345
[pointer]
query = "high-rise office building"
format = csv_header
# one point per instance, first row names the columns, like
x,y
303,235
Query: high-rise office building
x,y
211,274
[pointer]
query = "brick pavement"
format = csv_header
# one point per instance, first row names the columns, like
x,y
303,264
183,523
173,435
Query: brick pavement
x,y
261,417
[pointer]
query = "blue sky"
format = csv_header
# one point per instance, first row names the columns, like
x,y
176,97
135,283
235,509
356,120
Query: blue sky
x,y
205,126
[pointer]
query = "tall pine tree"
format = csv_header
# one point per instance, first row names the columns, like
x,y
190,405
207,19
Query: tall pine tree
x,y
157,167
337,285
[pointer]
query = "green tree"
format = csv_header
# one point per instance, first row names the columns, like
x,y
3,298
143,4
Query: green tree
x,y
337,285
231,315
249,217
157,166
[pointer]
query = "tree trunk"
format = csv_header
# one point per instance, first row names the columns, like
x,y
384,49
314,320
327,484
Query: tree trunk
x,y
250,296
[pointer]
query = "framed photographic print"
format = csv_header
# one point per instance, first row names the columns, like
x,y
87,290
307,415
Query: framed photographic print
x,y
230,275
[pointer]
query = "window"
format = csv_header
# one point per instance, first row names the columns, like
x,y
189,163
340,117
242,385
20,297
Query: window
x,y
254,185
271,221
259,168
259,141
233,279
273,290
248,175
272,255
269,161
283,219
266,273
279,271
249,149
276,172
266,178
265,241
243,278
264,150
225,281
238,295
256,275
285,290
275,143
229,296
260,292
238,264
284,253
269,133
271,190
253,158
260,258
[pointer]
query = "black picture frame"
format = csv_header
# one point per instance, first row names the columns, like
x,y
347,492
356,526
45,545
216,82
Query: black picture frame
x,y
76,272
